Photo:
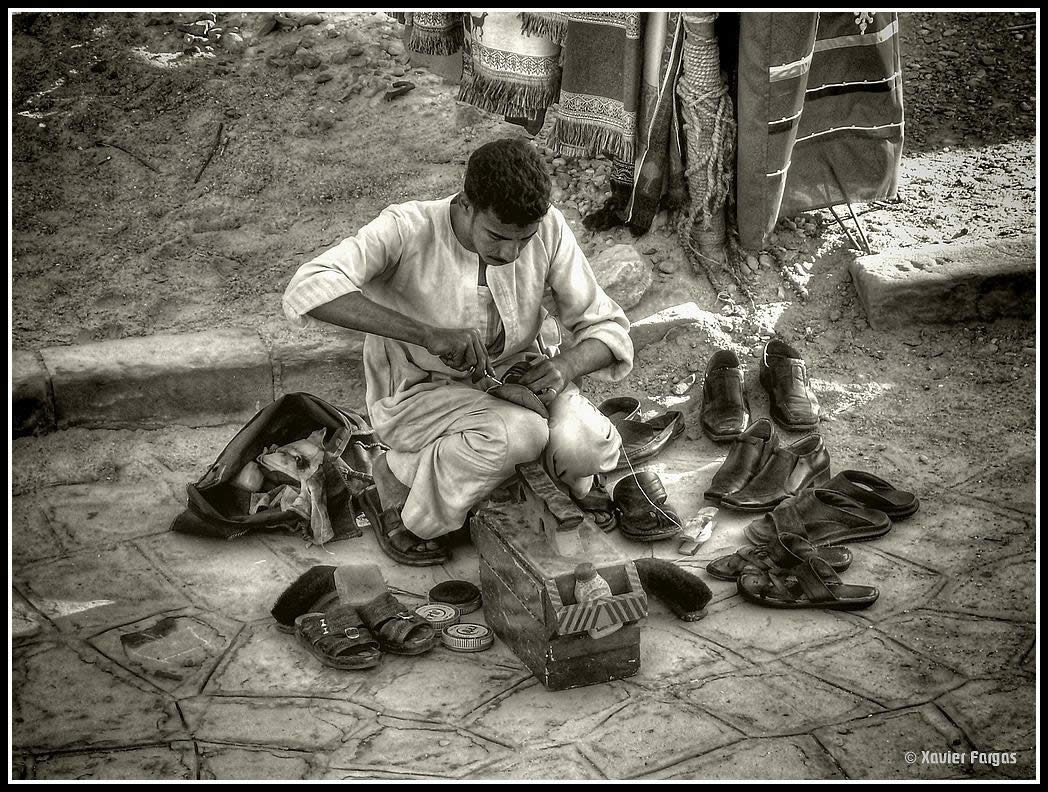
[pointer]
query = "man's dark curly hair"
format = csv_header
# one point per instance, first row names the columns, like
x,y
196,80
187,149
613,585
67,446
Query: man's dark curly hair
x,y
508,177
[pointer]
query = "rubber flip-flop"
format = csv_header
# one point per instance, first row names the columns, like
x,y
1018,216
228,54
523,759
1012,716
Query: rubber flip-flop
x,y
875,492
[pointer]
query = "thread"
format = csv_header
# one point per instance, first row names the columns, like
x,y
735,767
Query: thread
x,y
649,500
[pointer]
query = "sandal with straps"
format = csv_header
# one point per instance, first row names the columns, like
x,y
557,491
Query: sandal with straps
x,y
396,540
399,630
761,558
811,583
338,638
874,492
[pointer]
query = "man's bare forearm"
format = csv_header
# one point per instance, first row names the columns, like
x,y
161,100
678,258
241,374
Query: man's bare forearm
x,y
588,356
357,312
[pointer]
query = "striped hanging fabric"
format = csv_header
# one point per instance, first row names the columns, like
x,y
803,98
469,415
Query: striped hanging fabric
x,y
820,114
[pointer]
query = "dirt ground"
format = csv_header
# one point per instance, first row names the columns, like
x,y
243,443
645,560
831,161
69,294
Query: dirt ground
x,y
159,191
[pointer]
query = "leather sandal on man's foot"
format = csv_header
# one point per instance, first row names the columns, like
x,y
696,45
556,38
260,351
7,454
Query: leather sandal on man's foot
x,y
396,540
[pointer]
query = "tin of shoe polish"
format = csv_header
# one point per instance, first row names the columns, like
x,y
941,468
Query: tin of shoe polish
x,y
467,637
439,614
460,593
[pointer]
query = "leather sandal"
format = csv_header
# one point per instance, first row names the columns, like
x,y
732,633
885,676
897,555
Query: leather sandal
x,y
748,454
822,517
810,584
875,492
762,558
398,629
396,540
338,638
788,470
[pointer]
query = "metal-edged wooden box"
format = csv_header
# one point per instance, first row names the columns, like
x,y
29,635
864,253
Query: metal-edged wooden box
x,y
529,545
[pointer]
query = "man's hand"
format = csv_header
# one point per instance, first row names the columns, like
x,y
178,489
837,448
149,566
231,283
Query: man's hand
x,y
460,349
548,377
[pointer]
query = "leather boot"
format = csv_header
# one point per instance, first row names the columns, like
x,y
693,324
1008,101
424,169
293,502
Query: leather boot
x,y
725,412
790,469
785,377
748,454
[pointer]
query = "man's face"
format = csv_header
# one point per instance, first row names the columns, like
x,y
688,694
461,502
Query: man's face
x,y
498,243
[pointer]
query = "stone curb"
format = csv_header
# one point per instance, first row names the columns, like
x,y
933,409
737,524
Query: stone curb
x,y
948,283
197,379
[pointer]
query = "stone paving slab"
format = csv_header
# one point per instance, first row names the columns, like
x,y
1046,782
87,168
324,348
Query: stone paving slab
x,y
176,652
563,763
798,757
954,534
532,716
670,655
285,722
176,762
98,588
877,747
763,634
646,736
32,536
948,283
234,763
1004,589
238,579
68,696
413,747
774,699
198,379
996,715
876,667
990,648
439,685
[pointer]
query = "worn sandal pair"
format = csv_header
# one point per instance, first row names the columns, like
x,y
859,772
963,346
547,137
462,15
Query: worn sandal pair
x,y
348,637
801,579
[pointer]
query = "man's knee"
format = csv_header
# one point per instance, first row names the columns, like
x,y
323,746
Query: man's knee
x,y
582,441
510,435
527,434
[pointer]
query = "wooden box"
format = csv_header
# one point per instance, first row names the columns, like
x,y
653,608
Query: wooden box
x,y
529,545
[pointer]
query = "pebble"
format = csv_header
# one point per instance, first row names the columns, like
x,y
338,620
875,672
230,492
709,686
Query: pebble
x,y
668,267
988,60
835,315
1026,107
923,459
682,387
324,76
766,260
751,263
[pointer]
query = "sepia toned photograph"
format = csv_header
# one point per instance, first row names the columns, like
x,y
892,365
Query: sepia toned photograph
x,y
523,395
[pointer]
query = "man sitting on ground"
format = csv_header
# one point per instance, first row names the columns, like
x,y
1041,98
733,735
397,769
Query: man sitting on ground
x,y
450,293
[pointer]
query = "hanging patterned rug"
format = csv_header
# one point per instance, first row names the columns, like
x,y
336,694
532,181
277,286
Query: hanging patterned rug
x,y
506,70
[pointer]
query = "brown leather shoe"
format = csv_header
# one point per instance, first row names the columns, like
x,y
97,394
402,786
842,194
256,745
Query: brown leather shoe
x,y
748,454
785,377
725,412
790,469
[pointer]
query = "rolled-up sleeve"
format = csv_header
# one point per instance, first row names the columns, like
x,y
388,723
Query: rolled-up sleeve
x,y
584,307
345,268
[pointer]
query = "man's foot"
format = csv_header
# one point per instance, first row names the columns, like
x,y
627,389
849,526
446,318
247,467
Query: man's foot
x,y
395,539
391,491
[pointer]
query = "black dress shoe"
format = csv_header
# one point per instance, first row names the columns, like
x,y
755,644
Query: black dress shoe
x,y
789,469
785,377
748,454
725,412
